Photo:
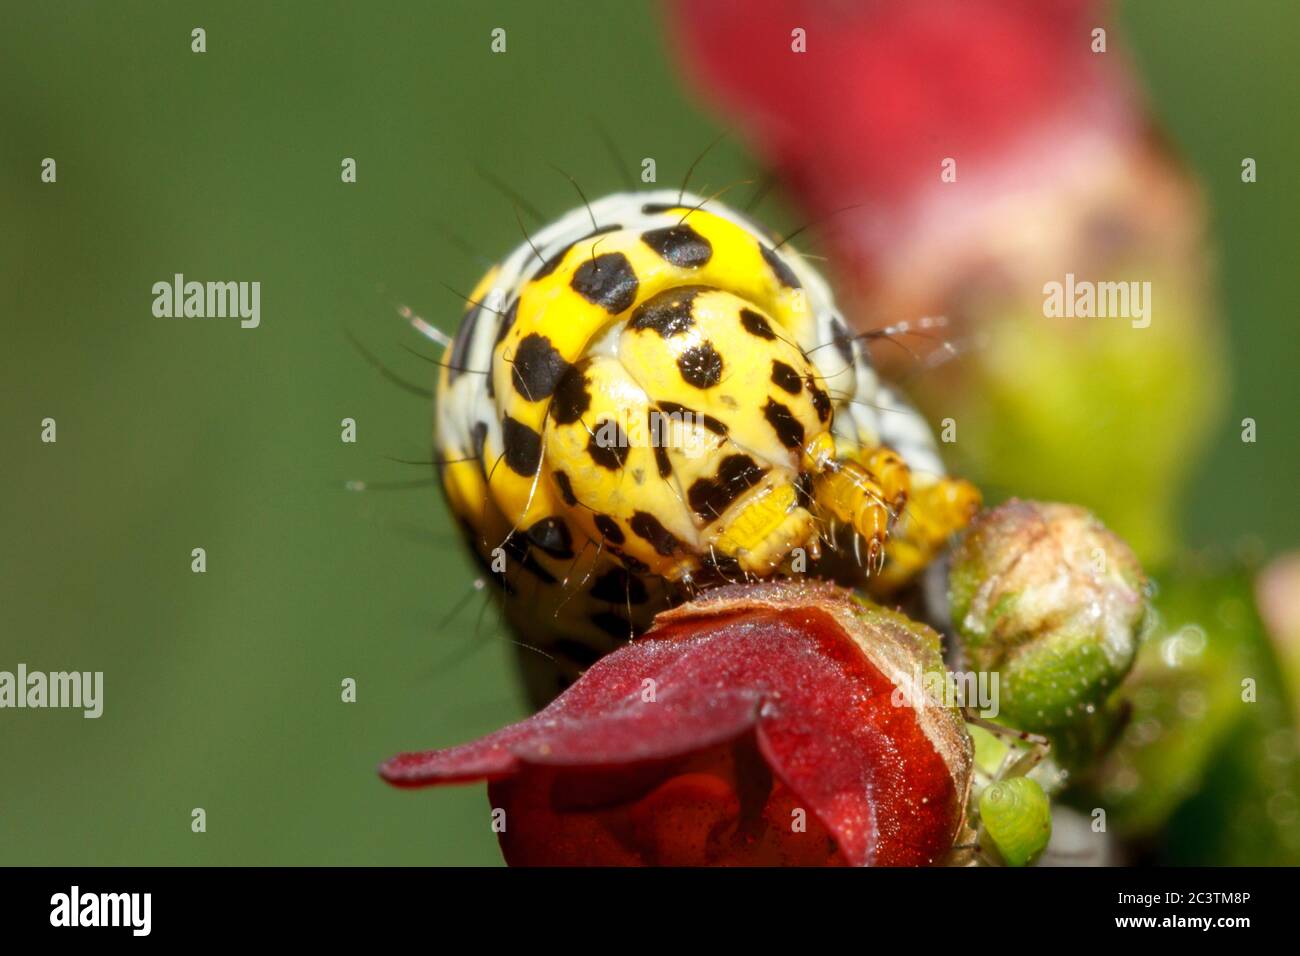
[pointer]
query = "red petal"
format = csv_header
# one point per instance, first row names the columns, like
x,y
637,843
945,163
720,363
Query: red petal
x,y
757,712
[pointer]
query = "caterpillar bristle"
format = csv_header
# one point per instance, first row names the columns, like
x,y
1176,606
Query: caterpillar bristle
x,y
442,364
815,222
527,238
430,332
760,193
690,170
515,198
371,359
581,195
612,149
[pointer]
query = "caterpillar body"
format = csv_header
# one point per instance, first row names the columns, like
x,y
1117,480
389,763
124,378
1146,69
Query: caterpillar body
x,y
652,395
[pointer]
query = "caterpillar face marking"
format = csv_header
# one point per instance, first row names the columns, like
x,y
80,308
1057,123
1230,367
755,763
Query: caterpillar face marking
x,y
659,411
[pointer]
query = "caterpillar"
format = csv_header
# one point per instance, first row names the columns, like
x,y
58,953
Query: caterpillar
x,y
652,395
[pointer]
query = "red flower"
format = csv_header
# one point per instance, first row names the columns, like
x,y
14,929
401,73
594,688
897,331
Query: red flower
x,y
886,90
756,726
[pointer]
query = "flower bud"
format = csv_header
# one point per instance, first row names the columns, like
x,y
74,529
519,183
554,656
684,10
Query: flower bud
x,y
1054,603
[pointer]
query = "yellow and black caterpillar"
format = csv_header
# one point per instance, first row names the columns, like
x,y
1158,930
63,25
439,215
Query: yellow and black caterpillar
x,y
651,395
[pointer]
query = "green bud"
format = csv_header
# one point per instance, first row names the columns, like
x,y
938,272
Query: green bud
x,y
1047,598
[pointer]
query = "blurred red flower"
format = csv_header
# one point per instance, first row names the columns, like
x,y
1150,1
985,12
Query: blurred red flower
x,y
889,89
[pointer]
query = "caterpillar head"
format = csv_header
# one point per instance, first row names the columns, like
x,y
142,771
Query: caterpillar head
x,y
682,431
673,387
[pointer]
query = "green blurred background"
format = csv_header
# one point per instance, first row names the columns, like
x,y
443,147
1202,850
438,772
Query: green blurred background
x,y
222,690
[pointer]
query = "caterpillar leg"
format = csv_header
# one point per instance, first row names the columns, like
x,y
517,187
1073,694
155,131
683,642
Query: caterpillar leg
x,y
903,521
935,512
867,495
